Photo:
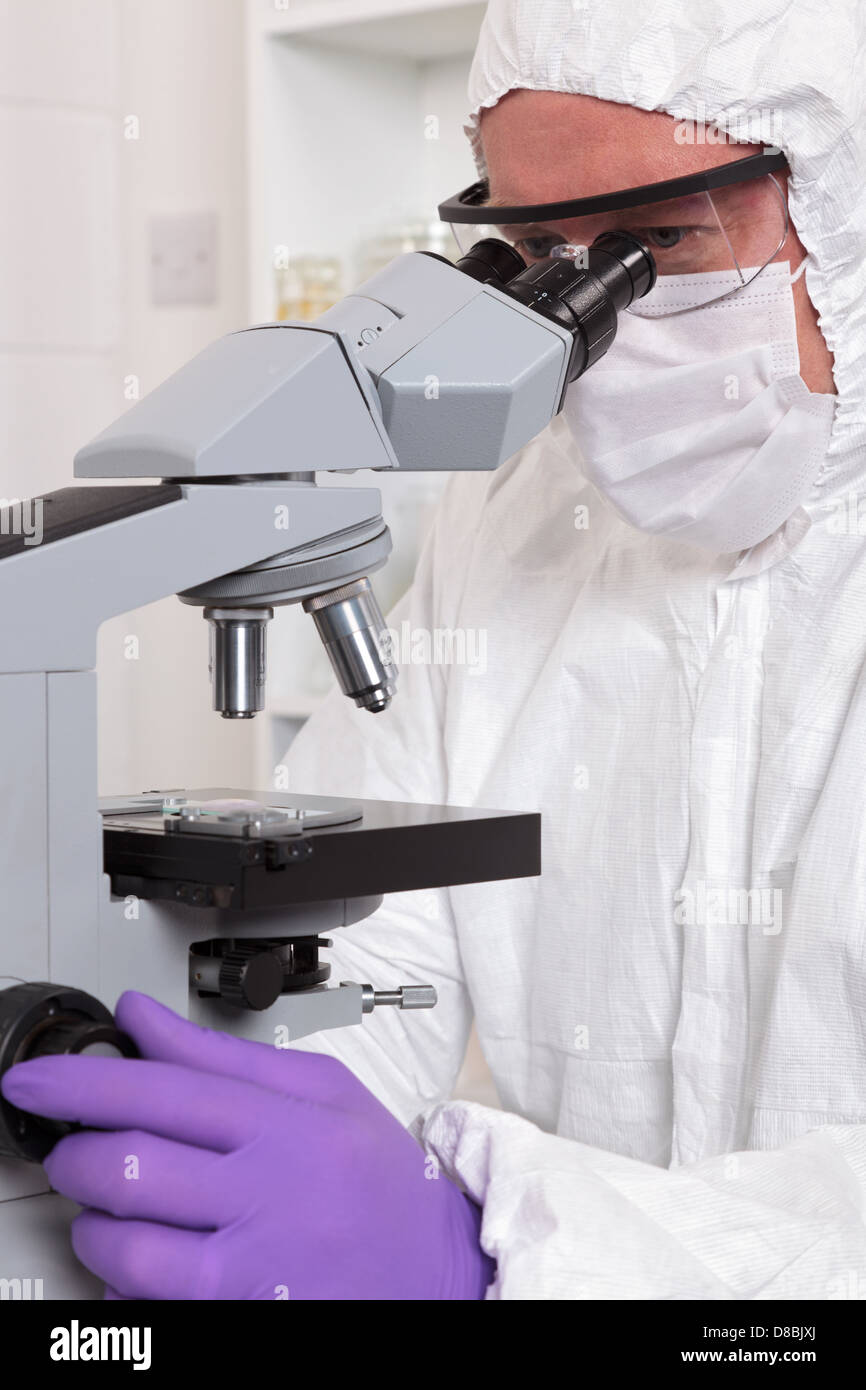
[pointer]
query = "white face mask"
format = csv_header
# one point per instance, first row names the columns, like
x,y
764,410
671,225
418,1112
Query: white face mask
x,y
698,425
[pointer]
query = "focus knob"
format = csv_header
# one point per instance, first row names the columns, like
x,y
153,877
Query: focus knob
x,y
38,1019
250,978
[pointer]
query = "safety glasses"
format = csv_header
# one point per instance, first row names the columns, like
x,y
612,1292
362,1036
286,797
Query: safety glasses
x,y
721,225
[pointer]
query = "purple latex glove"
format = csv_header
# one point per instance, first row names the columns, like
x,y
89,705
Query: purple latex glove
x,y
225,1169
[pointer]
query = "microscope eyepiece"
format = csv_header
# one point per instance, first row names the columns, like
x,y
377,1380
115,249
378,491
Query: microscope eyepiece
x,y
623,252
492,261
583,294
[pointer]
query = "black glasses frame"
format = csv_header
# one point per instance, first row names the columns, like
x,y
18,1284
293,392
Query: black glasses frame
x,y
470,206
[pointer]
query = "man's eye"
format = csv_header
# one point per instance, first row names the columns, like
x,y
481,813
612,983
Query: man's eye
x,y
537,248
662,238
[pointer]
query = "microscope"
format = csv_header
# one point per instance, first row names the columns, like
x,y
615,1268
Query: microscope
x,y
215,900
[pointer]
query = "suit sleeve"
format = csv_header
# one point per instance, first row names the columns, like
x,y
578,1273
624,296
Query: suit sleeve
x,y
567,1221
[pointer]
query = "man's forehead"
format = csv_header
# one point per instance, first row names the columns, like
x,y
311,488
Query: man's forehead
x,y
542,147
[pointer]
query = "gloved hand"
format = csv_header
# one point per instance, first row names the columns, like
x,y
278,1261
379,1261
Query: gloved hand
x,y
228,1169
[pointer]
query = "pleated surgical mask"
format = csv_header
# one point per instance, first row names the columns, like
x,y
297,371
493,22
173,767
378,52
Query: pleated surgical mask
x,y
698,425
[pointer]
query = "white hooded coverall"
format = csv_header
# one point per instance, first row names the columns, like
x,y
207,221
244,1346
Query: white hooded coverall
x,y
684,1099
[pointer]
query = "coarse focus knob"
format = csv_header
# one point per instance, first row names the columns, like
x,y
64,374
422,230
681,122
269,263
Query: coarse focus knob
x,y
250,978
39,1019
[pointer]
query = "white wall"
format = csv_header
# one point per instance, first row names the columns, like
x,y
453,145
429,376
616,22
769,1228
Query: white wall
x,y
76,321
60,308
182,76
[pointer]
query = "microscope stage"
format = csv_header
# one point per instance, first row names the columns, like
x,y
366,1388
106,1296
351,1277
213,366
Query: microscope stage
x,y
250,850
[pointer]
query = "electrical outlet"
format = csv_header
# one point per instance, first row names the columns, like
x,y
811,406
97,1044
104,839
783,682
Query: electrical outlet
x,y
183,259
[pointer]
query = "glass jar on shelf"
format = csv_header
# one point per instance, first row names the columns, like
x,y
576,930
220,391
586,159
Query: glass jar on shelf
x,y
375,252
307,286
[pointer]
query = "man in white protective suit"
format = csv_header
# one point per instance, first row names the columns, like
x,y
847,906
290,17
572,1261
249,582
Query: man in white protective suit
x,y
671,582
675,1012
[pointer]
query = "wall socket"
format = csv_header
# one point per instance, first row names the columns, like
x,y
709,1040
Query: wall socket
x,y
183,259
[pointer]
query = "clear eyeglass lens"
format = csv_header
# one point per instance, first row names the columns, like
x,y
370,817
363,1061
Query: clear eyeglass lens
x,y
735,230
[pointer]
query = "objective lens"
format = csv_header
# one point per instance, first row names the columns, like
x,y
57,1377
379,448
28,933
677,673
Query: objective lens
x,y
237,659
350,624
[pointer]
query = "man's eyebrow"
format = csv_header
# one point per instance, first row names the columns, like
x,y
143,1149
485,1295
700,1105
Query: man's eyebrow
x,y
496,200
524,229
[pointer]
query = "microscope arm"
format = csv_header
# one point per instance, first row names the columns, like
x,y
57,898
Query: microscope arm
x,y
118,555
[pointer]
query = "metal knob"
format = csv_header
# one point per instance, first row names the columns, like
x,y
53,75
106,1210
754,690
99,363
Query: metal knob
x,y
247,976
406,997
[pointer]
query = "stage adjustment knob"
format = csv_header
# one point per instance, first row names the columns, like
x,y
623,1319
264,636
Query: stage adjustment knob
x,y
250,978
